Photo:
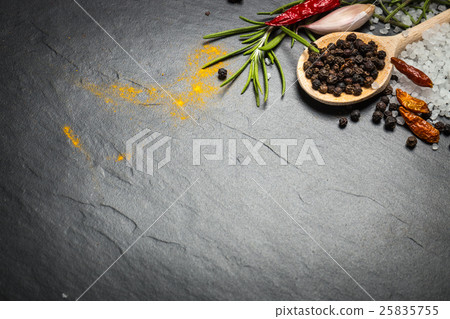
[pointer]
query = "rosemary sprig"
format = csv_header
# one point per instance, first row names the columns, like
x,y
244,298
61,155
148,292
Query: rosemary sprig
x,y
260,42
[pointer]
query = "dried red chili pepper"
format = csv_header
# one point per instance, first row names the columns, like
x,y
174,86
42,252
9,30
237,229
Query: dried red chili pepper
x,y
411,103
303,10
415,75
421,128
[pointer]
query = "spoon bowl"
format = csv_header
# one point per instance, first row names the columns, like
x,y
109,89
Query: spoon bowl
x,y
392,45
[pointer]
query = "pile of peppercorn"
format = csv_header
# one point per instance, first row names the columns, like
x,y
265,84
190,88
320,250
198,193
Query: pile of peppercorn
x,y
344,66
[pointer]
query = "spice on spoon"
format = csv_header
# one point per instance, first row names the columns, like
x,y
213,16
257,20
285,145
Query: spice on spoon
x,y
415,75
421,128
411,103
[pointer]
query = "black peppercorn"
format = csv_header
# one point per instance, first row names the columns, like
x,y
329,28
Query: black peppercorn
x,y
377,116
318,64
332,79
351,37
373,45
357,78
309,73
222,74
411,142
331,89
313,57
337,91
358,59
355,115
307,65
393,107
341,85
343,122
316,84
348,81
374,74
381,106
388,90
439,126
207,13
368,80
381,54
387,113
358,90
446,130
323,88
314,77
323,74
385,100
394,78
348,72
349,89
390,122
347,52
369,66
426,116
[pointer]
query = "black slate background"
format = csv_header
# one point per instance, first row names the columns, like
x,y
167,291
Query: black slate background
x,y
380,210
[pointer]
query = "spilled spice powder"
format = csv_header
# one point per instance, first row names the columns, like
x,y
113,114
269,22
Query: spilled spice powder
x,y
75,139
192,89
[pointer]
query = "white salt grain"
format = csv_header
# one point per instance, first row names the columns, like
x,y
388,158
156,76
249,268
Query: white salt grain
x,y
375,85
268,62
268,76
435,147
400,120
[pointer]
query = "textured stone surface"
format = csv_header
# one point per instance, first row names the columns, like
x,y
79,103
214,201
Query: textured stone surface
x,y
380,210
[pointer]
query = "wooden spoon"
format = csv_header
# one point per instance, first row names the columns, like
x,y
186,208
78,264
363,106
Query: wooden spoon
x,y
393,45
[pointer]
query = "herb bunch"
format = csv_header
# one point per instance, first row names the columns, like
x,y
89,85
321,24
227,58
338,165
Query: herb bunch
x,y
260,40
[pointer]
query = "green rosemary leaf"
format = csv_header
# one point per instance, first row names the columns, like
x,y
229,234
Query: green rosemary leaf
x,y
280,69
231,32
264,13
394,12
292,34
310,35
249,34
250,75
238,72
256,74
227,56
266,78
256,93
273,43
292,42
255,37
251,21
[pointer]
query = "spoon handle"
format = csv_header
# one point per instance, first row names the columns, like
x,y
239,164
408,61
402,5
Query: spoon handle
x,y
414,34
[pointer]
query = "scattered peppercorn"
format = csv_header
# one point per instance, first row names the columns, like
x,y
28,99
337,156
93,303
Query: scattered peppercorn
x,y
439,126
388,90
385,99
222,74
343,122
381,106
355,115
426,116
447,129
394,78
411,142
387,113
377,116
393,107
207,13
390,123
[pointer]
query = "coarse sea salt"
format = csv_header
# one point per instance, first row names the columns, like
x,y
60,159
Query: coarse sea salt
x,y
431,56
